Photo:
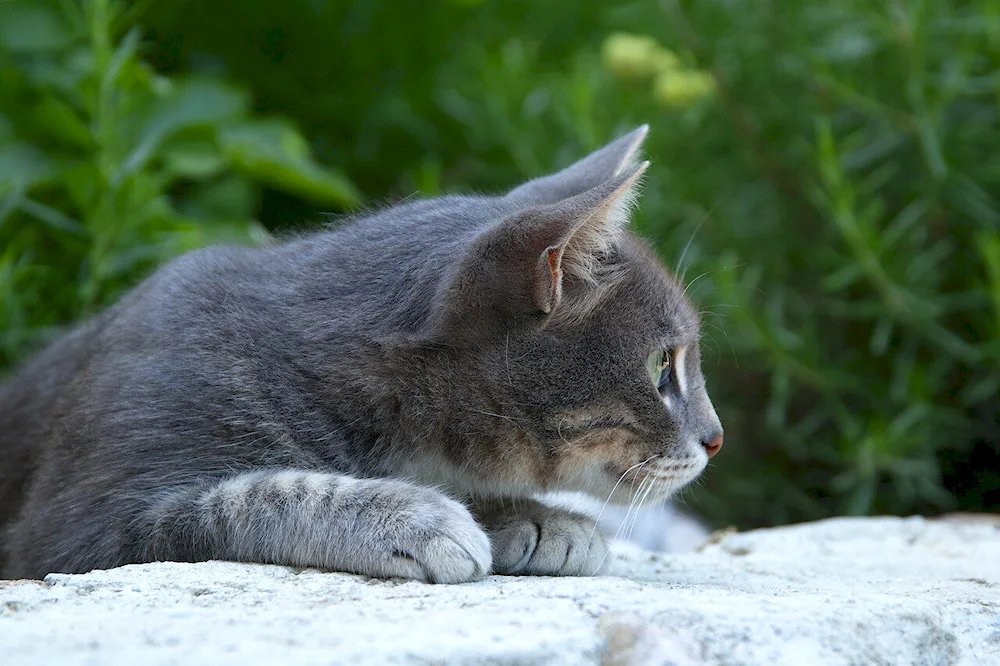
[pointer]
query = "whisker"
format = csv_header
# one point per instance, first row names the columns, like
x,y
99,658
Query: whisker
x,y
559,432
631,506
624,520
687,246
725,334
625,529
513,419
620,479
635,518
635,477
692,282
713,274
499,416
710,311
506,356
706,216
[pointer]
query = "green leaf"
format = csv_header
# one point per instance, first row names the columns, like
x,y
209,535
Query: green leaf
x,y
6,129
32,27
83,184
10,198
51,217
194,159
859,501
192,103
123,55
275,153
24,165
229,197
988,243
61,122
191,234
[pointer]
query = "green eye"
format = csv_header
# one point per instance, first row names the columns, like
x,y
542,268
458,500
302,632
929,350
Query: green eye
x,y
658,367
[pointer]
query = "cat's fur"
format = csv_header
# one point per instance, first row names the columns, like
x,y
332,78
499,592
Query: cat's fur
x,y
383,398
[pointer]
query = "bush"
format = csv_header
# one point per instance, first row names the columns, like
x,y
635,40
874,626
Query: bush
x,y
107,167
824,175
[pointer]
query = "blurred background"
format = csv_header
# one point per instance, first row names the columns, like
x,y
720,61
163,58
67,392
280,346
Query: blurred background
x,y
825,177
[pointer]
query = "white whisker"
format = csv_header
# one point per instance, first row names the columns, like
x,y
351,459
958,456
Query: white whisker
x,y
506,356
631,506
680,262
499,416
687,246
635,518
694,281
611,494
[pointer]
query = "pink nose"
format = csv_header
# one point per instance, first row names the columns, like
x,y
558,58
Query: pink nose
x,y
712,447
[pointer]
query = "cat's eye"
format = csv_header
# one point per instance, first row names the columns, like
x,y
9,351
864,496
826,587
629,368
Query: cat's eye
x,y
658,367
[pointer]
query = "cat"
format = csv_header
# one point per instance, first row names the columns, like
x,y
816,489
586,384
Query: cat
x,y
384,398
658,526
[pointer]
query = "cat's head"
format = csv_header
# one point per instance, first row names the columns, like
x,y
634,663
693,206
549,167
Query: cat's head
x,y
574,355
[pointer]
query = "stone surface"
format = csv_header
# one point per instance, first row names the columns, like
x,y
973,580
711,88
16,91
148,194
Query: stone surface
x,y
843,591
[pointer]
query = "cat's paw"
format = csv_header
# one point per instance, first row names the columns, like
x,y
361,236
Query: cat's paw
x,y
430,537
538,540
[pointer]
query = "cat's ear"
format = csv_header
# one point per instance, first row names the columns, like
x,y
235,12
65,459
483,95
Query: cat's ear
x,y
526,264
597,168
580,231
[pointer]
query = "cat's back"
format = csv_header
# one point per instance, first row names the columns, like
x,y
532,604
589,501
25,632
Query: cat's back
x,y
27,403
229,300
107,364
378,274
220,322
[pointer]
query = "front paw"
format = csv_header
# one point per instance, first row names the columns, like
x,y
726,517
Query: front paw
x,y
539,540
451,547
406,531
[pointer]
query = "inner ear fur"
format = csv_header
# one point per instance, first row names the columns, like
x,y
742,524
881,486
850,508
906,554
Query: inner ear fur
x,y
583,230
520,266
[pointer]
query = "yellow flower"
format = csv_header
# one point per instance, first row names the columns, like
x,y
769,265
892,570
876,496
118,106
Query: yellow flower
x,y
631,56
683,88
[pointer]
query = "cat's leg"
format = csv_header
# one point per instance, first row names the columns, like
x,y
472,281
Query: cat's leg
x,y
531,538
378,527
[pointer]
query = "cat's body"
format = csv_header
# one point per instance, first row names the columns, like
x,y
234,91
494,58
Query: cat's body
x,y
317,402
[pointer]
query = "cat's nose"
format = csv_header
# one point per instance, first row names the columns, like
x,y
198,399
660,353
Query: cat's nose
x,y
713,445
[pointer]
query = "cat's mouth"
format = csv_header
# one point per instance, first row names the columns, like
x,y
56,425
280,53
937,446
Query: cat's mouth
x,y
677,474
599,455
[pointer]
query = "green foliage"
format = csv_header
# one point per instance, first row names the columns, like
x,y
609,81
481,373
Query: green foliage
x,y
107,167
824,175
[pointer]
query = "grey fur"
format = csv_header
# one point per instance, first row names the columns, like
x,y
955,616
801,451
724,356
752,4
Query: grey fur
x,y
332,401
531,538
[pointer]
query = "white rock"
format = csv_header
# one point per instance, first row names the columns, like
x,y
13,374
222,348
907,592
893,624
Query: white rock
x,y
843,591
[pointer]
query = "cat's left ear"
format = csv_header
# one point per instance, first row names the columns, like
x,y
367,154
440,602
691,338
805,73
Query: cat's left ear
x,y
523,265
597,219
597,168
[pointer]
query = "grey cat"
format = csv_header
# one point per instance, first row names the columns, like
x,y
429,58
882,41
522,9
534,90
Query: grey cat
x,y
384,398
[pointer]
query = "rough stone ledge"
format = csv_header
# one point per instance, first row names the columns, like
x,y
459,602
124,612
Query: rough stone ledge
x,y
840,591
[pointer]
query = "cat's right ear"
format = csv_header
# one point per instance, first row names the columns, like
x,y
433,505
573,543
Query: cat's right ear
x,y
523,264
579,232
532,262
597,168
